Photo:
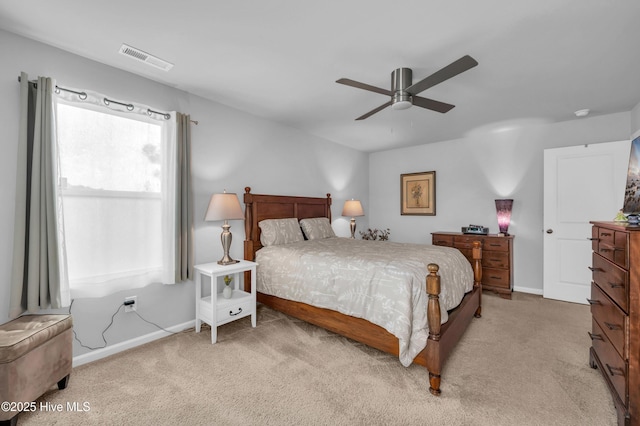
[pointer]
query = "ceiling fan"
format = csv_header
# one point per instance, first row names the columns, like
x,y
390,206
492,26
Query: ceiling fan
x,y
404,94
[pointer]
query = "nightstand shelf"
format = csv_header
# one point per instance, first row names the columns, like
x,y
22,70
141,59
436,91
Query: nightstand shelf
x,y
214,309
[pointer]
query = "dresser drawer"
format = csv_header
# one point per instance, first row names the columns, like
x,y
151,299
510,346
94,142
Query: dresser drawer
x,y
612,279
612,245
496,244
610,318
495,259
442,240
496,277
466,241
613,366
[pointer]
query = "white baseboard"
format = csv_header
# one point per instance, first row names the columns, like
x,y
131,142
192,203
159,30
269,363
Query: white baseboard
x,y
128,344
529,290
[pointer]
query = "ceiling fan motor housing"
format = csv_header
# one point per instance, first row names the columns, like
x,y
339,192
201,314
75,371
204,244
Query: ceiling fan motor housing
x,y
400,80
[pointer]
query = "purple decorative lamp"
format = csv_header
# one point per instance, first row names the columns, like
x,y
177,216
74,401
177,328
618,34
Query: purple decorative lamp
x,y
503,209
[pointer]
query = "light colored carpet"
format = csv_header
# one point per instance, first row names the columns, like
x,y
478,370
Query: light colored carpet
x,y
525,362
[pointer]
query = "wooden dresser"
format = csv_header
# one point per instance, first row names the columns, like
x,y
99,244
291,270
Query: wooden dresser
x,y
615,309
497,257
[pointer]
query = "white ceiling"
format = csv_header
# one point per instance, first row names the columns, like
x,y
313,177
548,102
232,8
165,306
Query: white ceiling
x,y
279,59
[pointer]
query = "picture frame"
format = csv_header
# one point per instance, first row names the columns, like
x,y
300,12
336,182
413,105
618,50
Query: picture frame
x,y
418,194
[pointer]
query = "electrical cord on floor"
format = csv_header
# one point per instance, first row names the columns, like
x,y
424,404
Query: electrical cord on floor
x,y
109,326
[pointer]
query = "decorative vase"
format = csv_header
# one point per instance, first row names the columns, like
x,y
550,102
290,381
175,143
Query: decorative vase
x,y
227,292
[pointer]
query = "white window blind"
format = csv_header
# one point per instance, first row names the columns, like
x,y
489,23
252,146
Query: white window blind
x,y
117,198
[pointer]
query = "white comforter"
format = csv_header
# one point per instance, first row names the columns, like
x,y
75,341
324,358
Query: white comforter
x,y
380,281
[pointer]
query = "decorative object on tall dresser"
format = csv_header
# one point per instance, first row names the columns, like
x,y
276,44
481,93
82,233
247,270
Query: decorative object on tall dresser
x,y
328,264
631,205
615,310
354,209
225,206
418,193
503,209
497,257
376,234
620,217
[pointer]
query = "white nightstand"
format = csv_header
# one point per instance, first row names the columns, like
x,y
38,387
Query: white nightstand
x,y
215,310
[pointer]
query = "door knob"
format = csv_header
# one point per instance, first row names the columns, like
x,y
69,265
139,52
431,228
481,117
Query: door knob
x,y
549,231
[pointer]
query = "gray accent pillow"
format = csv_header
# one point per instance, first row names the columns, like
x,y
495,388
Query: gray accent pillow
x,y
280,231
317,228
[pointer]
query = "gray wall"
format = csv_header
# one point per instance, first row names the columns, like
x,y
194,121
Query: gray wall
x,y
500,161
231,150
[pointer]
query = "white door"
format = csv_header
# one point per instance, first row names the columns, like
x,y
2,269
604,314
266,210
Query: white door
x,y
581,183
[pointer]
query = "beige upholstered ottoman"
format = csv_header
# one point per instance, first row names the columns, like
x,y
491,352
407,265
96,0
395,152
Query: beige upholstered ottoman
x,y
35,354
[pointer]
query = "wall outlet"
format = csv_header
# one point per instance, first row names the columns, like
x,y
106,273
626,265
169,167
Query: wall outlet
x,y
132,307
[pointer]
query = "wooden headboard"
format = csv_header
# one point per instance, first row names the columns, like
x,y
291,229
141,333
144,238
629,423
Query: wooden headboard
x,y
260,207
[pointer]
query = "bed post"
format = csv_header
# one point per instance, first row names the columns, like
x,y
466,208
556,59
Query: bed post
x,y
248,216
434,319
329,206
477,274
249,252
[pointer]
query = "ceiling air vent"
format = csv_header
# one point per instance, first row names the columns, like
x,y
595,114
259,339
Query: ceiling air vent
x,y
145,57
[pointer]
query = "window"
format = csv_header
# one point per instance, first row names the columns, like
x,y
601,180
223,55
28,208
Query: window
x,y
114,186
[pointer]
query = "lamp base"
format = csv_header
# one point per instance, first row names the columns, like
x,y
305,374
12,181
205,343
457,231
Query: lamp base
x,y
225,237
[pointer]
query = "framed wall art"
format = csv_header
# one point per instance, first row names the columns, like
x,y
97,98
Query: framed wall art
x,y
418,194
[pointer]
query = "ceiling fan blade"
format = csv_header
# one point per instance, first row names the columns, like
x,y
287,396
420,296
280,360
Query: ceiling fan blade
x,y
456,67
431,104
370,113
364,86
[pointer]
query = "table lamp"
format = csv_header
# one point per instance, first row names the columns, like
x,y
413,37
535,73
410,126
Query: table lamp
x,y
225,206
352,208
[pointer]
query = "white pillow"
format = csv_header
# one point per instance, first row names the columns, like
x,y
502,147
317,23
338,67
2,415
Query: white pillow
x,y
280,231
317,228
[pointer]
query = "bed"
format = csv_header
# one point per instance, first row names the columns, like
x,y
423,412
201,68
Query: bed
x,y
442,336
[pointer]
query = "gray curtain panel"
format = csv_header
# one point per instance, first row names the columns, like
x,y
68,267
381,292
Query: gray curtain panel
x,y
35,281
184,200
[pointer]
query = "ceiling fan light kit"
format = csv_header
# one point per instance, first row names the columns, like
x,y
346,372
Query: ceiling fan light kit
x,y
404,93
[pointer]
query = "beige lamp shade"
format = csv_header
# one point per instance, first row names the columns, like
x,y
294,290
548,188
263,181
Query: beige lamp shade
x,y
352,208
224,206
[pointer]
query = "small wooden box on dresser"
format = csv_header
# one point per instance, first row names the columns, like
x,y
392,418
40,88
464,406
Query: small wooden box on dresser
x,y
615,310
497,257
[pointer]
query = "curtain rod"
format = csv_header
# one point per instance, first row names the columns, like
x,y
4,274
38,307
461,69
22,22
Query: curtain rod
x,y
83,96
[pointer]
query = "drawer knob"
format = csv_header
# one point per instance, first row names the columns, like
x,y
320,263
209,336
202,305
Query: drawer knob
x,y
593,302
592,269
595,336
616,285
615,370
237,313
613,326
605,234
549,231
